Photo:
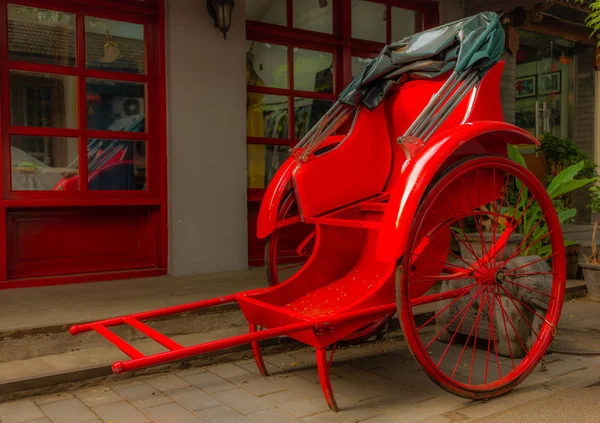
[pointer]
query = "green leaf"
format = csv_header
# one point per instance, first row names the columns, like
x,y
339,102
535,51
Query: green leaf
x,y
515,155
565,182
565,215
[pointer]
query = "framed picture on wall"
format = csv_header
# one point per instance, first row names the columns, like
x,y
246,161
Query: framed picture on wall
x,y
549,83
526,86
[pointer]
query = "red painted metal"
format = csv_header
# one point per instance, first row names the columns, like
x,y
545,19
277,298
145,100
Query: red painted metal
x,y
457,196
323,366
257,354
151,14
344,47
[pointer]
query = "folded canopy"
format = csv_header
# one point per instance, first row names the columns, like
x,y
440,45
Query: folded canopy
x,y
476,41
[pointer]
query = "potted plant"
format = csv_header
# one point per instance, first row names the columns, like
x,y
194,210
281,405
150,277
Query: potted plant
x,y
591,267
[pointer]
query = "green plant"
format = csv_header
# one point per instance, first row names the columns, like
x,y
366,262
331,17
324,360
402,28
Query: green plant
x,y
593,19
560,153
595,206
528,217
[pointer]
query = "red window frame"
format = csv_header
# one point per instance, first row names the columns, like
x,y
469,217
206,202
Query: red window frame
x,y
133,11
340,43
151,13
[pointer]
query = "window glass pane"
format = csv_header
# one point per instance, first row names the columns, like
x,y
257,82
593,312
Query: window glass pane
x,y
45,100
313,70
266,65
114,46
307,113
115,105
41,36
116,165
267,116
358,65
368,21
314,15
403,23
42,163
268,11
263,162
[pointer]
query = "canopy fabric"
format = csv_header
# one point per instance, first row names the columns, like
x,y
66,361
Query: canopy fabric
x,y
476,41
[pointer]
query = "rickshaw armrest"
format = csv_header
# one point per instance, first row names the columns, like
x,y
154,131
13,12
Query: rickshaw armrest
x,y
267,215
483,137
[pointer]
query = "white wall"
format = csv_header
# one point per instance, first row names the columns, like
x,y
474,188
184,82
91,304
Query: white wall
x,y
206,86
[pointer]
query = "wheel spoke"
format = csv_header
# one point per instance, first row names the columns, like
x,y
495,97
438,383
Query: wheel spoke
x,y
522,303
479,229
431,319
510,271
497,297
503,310
442,262
464,312
528,288
477,322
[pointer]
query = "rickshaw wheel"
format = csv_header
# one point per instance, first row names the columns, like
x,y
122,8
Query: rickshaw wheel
x,y
288,249
480,321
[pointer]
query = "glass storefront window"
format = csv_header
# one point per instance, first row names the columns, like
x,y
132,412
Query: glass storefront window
x,y
266,65
358,65
114,46
41,36
403,23
267,116
313,71
307,113
116,165
115,105
544,85
273,12
314,15
41,163
43,100
369,21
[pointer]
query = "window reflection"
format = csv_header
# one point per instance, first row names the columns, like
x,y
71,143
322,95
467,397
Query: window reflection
x,y
115,105
116,165
404,23
40,163
267,116
114,46
313,70
307,113
43,100
266,65
41,36
267,160
314,15
273,12
369,21
358,65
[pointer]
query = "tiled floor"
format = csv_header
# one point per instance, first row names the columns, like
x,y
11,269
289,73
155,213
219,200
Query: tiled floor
x,y
373,383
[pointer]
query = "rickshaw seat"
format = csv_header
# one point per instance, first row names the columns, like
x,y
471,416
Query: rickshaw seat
x,y
356,168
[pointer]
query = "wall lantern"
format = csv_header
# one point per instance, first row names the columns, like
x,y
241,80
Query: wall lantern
x,y
220,11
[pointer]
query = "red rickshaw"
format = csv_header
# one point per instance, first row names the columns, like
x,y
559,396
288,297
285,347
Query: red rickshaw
x,y
414,209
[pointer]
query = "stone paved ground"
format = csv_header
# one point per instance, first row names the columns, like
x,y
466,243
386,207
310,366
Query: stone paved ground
x,y
373,383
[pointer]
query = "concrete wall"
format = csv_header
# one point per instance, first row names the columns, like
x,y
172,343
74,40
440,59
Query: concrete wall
x,y
206,86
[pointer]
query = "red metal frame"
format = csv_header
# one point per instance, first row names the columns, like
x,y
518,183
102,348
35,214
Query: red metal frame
x,y
343,47
150,14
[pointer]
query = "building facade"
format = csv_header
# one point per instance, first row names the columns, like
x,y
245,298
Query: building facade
x,y
136,141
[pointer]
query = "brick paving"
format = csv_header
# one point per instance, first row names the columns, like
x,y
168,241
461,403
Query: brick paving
x,y
374,383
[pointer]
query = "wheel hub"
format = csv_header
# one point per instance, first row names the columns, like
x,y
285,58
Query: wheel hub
x,y
500,277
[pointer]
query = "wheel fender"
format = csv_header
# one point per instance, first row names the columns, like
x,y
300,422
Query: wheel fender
x,y
483,137
267,215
